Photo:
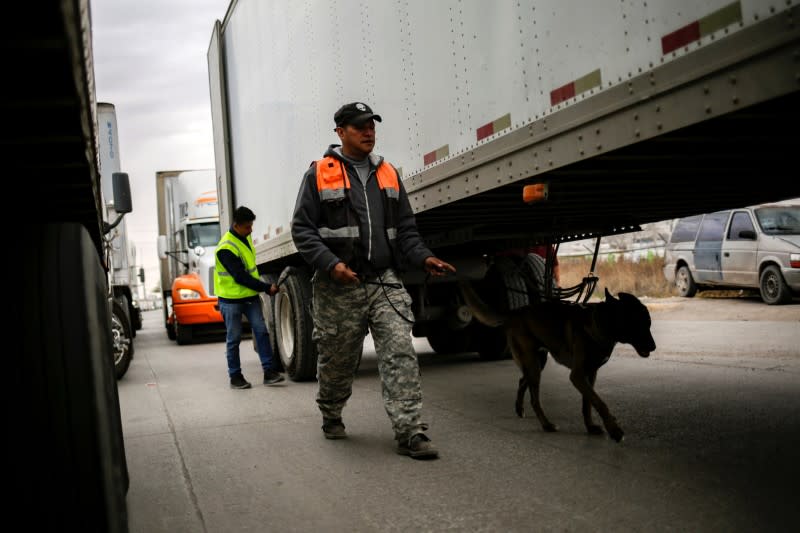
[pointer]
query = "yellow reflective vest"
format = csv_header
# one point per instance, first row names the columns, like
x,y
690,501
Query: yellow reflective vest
x,y
224,284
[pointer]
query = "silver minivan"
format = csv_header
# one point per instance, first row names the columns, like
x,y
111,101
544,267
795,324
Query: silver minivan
x,y
747,248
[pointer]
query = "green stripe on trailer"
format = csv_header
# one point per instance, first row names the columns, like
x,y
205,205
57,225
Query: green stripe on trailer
x,y
721,18
589,81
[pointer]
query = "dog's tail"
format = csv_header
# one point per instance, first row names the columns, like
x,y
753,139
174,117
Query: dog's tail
x,y
479,309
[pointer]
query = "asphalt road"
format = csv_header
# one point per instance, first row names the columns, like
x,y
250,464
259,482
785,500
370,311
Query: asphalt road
x,y
712,423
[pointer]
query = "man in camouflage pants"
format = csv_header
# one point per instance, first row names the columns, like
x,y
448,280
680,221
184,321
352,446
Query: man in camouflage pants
x,y
353,223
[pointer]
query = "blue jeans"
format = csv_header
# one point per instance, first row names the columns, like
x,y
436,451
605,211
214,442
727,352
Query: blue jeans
x,y
232,315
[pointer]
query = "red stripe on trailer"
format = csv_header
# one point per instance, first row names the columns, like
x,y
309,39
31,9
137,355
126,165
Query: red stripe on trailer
x,y
439,153
680,37
562,93
485,130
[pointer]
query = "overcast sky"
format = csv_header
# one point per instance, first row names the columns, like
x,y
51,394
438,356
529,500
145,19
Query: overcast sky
x,y
150,62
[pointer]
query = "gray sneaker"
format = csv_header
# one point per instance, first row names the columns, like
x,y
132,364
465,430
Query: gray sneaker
x,y
271,377
333,428
419,446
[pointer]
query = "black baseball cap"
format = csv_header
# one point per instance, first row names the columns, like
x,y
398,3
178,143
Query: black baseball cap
x,y
356,114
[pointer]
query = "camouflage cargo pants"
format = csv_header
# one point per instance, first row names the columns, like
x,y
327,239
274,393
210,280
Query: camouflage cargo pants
x,y
342,317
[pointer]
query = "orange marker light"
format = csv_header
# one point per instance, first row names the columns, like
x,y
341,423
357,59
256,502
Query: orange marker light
x,y
536,192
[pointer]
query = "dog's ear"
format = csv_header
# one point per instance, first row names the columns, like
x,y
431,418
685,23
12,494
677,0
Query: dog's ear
x,y
609,298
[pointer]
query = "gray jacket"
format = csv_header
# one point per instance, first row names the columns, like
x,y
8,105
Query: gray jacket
x,y
366,200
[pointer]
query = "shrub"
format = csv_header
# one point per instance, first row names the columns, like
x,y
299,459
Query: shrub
x,y
642,278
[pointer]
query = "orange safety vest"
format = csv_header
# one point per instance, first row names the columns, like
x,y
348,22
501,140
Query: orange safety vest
x,y
339,227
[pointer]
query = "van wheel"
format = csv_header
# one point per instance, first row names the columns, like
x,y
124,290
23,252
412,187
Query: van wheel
x,y
685,283
293,325
774,290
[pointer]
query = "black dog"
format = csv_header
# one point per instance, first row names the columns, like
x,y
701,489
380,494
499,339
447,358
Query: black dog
x,y
578,336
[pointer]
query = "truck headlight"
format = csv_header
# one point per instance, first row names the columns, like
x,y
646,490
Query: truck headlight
x,y
188,294
199,251
794,260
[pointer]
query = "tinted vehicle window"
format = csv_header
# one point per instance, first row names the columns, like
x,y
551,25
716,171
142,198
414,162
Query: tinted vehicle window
x,y
713,227
740,222
686,229
779,220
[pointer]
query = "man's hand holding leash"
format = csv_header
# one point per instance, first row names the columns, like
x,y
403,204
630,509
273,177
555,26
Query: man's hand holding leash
x,y
436,267
341,273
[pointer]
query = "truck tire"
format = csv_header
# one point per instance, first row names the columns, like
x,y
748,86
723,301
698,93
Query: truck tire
x,y
293,325
490,343
165,306
183,334
127,306
69,466
502,289
121,336
532,268
774,290
135,313
171,332
268,310
684,282
445,340
510,290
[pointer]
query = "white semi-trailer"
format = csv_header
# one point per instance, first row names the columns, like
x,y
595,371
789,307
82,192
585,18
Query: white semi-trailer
x,y
123,311
623,113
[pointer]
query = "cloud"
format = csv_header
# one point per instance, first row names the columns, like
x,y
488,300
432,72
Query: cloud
x,y
150,62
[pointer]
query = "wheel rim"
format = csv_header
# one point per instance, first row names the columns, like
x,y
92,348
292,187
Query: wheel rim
x,y
121,342
286,329
771,285
682,281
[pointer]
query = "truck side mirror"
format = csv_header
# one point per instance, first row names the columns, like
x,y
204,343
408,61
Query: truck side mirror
x,y
122,193
161,245
141,274
747,234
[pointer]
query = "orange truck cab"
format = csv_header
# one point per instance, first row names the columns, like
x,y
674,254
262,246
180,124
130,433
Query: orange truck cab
x,y
189,231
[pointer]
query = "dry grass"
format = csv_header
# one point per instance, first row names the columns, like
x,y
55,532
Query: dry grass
x,y
643,278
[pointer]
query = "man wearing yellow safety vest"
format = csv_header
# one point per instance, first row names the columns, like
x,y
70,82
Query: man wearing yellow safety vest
x,y
354,225
236,284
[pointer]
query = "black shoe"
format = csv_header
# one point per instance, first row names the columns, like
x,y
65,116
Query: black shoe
x,y
238,382
419,446
271,377
333,428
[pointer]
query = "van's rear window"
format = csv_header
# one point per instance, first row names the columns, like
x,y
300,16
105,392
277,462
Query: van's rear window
x,y
686,229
